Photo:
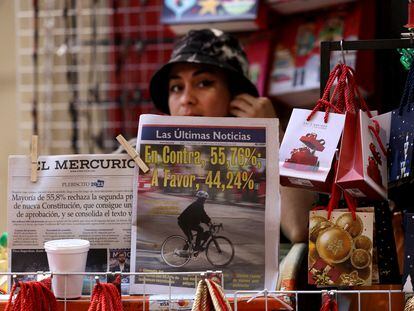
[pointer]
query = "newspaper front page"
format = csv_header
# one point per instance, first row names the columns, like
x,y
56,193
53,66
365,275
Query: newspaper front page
x,y
221,171
76,196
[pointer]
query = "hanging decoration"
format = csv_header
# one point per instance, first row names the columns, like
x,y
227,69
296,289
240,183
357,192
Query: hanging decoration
x,y
33,296
106,296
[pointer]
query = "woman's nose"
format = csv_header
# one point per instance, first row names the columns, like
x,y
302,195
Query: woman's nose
x,y
188,97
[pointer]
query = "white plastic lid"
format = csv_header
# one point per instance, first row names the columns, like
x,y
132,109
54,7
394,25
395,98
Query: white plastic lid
x,y
67,246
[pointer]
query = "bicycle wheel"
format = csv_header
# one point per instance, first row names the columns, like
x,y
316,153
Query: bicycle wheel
x,y
219,251
176,251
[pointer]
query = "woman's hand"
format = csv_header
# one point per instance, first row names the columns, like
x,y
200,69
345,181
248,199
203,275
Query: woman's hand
x,y
247,106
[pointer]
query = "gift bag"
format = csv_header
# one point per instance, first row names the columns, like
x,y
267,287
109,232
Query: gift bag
x,y
312,137
340,248
362,164
385,268
388,270
408,276
308,149
402,136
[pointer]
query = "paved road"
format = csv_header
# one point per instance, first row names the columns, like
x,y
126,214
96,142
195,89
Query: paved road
x,y
244,226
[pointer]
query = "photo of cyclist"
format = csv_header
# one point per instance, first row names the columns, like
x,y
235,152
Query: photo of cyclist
x,y
191,218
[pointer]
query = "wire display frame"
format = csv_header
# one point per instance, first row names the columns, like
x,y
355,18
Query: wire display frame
x,y
83,69
239,299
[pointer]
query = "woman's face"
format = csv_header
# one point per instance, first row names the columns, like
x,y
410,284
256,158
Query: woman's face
x,y
198,90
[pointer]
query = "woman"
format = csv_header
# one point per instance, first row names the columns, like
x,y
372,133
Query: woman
x,y
207,75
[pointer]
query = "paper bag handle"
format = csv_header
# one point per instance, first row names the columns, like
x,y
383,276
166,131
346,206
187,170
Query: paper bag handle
x,y
324,102
353,94
336,193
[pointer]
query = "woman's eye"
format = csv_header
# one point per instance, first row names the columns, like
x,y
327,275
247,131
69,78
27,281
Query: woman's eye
x,y
175,88
205,83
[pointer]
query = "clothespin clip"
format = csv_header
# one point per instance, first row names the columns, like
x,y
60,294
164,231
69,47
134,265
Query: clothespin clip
x,y
329,300
265,293
15,280
215,276
41,275
33,159
132,153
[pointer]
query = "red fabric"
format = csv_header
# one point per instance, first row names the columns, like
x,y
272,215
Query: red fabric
x,y
345,97
353,97
352,204
106,297
32,296
334,200
329,303
325,103
220,299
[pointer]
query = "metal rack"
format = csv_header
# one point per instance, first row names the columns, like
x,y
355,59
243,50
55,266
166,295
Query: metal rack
x,y
239,299
407,41
83,69
377,44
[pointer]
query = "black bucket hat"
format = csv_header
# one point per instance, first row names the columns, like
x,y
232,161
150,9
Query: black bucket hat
x,y
210,47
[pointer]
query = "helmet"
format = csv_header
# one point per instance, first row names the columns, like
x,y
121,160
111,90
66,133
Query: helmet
x,y
209,47
202,194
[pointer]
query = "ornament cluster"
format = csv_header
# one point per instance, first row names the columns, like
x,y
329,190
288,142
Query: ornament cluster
x,y
339,252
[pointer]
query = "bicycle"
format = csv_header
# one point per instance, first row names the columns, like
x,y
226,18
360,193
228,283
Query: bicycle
x,y
177,251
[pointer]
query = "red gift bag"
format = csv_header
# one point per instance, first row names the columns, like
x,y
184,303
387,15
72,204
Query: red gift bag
x,y
362,164
362,168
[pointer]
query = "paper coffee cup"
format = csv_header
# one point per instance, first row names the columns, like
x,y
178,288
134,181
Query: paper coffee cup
x,y
67,256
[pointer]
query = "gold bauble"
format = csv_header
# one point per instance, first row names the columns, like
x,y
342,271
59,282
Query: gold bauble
x,y
316,226
313,254
334,245
346,222
315,221
363,242
360,258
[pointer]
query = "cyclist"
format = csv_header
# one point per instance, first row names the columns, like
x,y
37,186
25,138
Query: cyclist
x,y
191,218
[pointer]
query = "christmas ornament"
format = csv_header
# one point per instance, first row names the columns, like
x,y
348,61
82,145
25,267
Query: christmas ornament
x,y
315,221
316,225
363,242
334,245
313,254
353,227
360,258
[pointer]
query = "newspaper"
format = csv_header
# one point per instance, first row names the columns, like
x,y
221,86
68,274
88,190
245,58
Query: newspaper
x,y
234,161
76,196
